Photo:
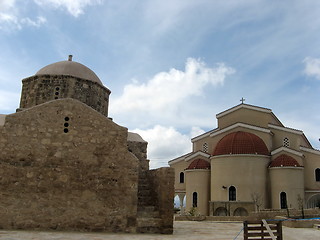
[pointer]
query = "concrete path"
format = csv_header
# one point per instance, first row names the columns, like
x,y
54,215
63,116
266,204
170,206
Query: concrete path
x,y
185,230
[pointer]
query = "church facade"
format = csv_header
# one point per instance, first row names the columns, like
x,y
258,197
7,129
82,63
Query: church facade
x,y
65,165
250,162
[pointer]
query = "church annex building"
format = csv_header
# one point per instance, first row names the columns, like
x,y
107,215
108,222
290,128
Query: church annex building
x,y
251,161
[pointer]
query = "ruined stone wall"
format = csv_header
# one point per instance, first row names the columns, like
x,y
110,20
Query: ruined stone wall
x,y
139,149
65,166
162,182
44,88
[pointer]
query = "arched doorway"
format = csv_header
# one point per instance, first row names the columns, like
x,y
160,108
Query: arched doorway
x,y
240,211
221,211
314,201
180,201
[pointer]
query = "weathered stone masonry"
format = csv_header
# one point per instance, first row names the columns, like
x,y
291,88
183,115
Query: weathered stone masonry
x,y
82,179
64,165
44,88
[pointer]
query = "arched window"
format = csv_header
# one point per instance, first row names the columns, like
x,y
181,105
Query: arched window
x,y
182,177
232,193
317,172
195,199
283,200
286,142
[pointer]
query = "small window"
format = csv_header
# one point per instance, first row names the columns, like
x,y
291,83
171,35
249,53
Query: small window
x,y
182,177
66,125
232,193
286,142
317,172
205,147
283,200
195,199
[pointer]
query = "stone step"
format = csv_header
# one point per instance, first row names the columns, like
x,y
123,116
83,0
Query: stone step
x,y
143,214
149,230
148,222
145,201
149,208
144,192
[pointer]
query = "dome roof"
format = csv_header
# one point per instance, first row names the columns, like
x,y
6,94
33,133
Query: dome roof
x,y
70,68
284,161
241,143
199,164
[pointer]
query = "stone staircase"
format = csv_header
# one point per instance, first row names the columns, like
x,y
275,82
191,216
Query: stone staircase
x,y
148,217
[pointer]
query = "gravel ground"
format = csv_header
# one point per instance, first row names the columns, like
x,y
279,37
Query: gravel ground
x,y
182,230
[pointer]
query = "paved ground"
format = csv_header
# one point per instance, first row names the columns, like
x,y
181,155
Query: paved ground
x,y
186,230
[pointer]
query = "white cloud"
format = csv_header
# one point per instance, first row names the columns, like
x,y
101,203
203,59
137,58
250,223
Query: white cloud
x,y
196,131
36,23
11,19
164,144
74,7
312,67
167,90
6,4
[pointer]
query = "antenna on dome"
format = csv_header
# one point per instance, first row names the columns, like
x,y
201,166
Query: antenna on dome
x,y
70,58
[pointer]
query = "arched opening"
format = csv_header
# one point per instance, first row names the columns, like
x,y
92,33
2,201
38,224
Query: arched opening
x,y
176,201
182,177
232,193
240,211
314,201
195,199
221,211
317,173
283,200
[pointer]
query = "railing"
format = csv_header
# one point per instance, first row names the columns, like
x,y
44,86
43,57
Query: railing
x,y
266,230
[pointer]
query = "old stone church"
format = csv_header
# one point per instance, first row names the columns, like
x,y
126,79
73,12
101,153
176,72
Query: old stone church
x,y
251,160
65,165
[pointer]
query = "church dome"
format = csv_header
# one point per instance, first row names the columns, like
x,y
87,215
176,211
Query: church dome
x,y
284,161
241,143
71,68
199,164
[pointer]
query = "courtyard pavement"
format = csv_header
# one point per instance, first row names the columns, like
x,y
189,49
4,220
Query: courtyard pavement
x,y
182,230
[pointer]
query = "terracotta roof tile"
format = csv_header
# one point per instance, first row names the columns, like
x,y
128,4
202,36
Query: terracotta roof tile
x,y
241,143
199,164
284,161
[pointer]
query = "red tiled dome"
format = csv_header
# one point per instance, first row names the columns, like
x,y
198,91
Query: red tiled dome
x,y
199,164
241,143
284,161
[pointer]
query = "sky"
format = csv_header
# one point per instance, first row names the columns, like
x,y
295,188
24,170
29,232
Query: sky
x,y
172,65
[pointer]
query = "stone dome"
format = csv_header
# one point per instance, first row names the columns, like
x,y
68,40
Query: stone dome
x,y
199,164
284,161
71,68
241,143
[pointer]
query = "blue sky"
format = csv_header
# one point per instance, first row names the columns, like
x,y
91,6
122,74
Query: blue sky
x,y
172,65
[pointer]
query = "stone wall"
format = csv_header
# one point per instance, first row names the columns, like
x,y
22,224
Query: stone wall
x,y
40,89
162,181
65,166
138,147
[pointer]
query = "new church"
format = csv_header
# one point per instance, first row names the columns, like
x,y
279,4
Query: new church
x,y
250,162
